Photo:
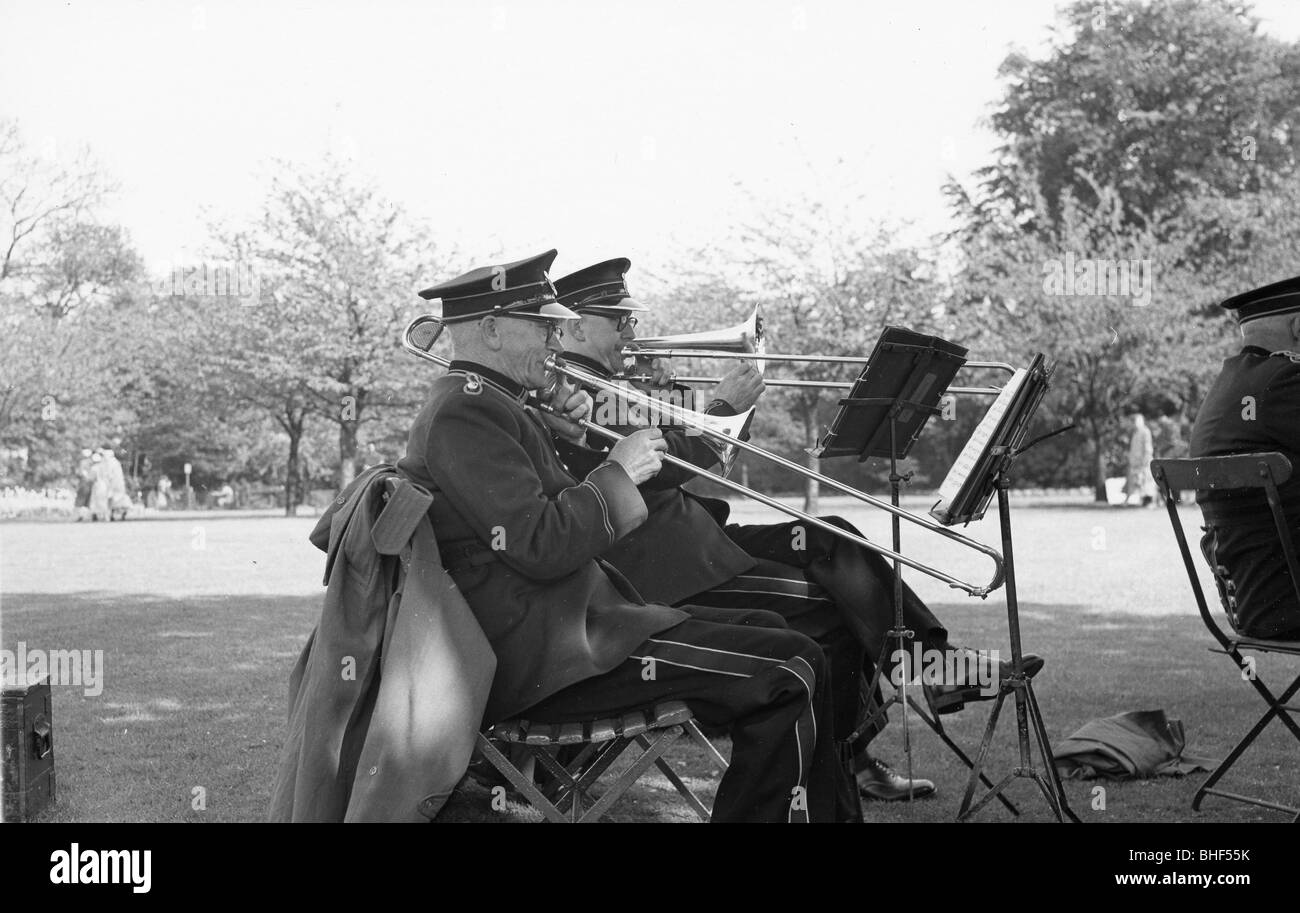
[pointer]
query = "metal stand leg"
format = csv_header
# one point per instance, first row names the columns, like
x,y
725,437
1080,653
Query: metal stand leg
x,y
898,635
1028,715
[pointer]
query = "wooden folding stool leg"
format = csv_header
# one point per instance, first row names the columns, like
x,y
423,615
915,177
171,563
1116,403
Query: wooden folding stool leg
x,y
663,738
523,784
568,795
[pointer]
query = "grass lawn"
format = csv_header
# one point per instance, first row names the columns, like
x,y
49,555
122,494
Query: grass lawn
x,y
200,620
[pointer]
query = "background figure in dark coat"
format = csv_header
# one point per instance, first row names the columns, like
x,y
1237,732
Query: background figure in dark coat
x,y
835,592
521,537
1254,407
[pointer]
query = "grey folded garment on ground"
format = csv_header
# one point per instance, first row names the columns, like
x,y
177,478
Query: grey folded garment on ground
x,y
1129,746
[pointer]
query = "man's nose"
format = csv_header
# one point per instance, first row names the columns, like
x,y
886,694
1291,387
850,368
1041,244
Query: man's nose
x,y
553,344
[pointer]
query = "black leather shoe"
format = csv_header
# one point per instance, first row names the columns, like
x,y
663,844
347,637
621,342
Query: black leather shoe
x,y
951,697
878,781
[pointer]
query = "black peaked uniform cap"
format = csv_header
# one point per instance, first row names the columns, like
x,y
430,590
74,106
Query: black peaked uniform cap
x,y
522,287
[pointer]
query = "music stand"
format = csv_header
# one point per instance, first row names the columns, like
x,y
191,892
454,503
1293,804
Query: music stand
x,y
898,390
989,471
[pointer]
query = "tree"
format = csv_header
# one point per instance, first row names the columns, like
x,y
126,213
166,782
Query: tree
x,y
1166,102
1141,341
68,292
342,264
824,285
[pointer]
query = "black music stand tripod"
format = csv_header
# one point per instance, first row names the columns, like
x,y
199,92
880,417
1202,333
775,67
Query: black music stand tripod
x,y
899,390
1028,716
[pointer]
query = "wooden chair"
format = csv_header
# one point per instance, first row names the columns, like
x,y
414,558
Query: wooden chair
x,y
568,797
1245,471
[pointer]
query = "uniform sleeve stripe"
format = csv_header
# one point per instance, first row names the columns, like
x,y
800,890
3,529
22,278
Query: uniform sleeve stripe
x,y
604,509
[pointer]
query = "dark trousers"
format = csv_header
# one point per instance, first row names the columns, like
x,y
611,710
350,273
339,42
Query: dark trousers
x,y
839,594
1258,582
766,685
859,581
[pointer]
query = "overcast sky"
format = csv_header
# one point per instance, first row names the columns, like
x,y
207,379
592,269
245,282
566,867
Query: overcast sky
x,y
602,128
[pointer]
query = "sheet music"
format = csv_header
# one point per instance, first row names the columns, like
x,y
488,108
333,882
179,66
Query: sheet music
x,y
979,440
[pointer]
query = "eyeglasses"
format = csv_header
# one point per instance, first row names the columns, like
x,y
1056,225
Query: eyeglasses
x,y
553,328
622,323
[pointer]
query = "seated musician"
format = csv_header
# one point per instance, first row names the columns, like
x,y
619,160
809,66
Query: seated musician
x,y
521,538
687,553
1254,407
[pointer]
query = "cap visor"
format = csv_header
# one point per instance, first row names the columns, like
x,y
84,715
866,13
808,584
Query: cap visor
x,y
618,309
557,311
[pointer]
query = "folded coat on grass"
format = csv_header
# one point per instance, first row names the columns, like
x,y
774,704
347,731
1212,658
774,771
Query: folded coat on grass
x,y
1129,746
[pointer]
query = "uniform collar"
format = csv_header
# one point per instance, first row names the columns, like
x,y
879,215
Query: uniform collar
x,y
589,363
1255,350
490,377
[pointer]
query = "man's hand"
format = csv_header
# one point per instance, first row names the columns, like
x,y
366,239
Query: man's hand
x,y
640,454
740,387
571,407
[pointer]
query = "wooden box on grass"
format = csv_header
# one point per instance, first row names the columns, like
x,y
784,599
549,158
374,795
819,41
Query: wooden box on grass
x,y
26,749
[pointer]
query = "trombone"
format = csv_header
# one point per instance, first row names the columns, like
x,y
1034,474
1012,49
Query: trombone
x,y
423,332
691,420
735,342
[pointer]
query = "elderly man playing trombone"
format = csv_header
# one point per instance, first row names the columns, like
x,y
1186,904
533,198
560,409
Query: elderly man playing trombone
x,y
522,538
835,591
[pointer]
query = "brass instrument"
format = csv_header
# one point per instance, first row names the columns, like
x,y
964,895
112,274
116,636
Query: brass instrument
x,y
733,342
745,337
684,417
422,332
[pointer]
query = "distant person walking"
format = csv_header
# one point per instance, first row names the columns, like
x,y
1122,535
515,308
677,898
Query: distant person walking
x,y
1140,453
98,487
85,483
115,498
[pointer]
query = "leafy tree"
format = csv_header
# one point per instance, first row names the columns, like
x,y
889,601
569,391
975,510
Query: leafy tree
x,y
342,265
68,298
1141,342
1164,101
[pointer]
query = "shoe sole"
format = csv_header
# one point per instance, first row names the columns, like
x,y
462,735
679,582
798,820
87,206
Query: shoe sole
x,y
954,701
866,793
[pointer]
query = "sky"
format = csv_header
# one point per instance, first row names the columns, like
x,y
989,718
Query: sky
x,y
601,128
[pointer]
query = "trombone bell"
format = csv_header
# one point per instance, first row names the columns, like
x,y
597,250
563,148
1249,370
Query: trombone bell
x,y
732,426
746,337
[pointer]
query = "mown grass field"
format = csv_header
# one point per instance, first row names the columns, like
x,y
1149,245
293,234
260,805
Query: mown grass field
x,y
200,620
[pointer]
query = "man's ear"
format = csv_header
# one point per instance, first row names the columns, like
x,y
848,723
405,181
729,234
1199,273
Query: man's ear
x,y
489,331
578,329
1295,329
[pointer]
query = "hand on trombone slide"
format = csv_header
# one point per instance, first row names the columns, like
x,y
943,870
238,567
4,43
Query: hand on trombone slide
x,y
740,387
570,406
640,454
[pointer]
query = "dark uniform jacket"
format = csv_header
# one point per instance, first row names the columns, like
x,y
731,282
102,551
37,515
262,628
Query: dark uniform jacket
x,y
1253,407
520,536
681,549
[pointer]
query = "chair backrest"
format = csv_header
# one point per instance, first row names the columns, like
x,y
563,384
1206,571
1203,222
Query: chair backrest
x,y
1222,473
1226,473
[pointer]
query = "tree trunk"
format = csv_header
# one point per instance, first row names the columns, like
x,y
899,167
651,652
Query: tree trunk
x,y
292,482
1099,480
